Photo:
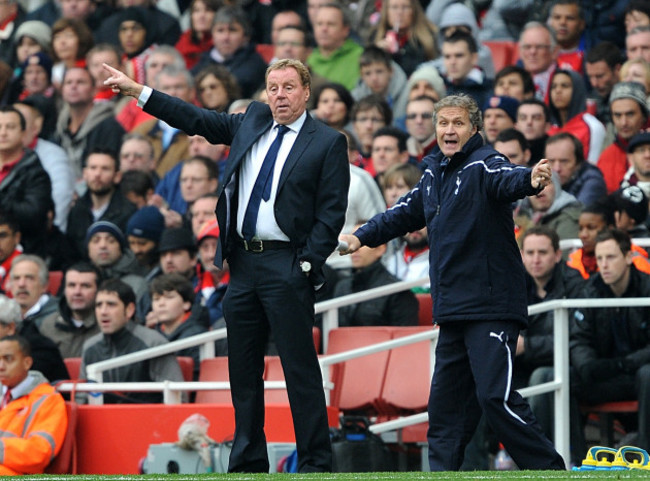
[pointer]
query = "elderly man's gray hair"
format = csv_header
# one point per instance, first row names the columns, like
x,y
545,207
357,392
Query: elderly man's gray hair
x,y
462,101
9,311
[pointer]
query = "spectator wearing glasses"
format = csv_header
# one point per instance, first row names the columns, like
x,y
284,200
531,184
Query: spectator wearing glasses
x,y
419,125
538,51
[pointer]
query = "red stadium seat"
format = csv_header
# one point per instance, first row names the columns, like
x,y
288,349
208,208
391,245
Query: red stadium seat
x,y
274,372
54,282
73,365
503,53
187,367
408,376
266,51
358,382
65,462
214,369
425,312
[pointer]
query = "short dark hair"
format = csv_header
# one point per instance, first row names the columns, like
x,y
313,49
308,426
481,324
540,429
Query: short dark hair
x,y
535,101
83,267
209,164
602,208
607,52
506,135
567,2
394,132
462,36
136,181
122,289
11,109
578,149
173,282
105,151
373,101
622,238
542,230
374,54
307,39
7,219
526,77
642,6
23,344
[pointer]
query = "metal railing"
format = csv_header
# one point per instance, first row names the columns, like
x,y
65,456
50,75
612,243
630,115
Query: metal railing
x,y
559,386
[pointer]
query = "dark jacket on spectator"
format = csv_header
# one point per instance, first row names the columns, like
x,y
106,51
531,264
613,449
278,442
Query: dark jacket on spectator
x,y
197,323
399,309
611,341
246,65
587,185
564,283
131,338
80,218
26,194
47,358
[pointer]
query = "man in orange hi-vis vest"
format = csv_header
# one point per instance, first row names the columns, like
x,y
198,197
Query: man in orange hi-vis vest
x,y
33,417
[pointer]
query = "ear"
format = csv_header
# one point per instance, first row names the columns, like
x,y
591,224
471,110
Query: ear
x,y
129,310
38,124
527,155
187,306
117,178
558,255
28,362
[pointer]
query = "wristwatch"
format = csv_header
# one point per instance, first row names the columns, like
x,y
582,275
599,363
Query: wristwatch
x,y
305,267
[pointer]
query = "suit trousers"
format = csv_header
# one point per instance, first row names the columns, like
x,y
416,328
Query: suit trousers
x,y
473,374
269,293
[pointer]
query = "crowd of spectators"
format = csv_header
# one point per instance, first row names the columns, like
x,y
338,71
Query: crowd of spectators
x,y
92,186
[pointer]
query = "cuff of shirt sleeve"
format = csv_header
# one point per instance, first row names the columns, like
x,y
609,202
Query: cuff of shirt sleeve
x,y
144,96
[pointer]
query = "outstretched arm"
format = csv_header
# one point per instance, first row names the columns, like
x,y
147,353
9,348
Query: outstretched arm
x,y
119,82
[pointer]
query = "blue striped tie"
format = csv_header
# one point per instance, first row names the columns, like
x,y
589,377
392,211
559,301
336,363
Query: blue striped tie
x,y
262,187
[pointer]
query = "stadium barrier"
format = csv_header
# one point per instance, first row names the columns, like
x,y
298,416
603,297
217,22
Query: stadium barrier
x,y
560,385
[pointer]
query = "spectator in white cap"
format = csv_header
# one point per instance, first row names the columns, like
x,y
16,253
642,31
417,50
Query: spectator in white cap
x,y
424,81
32,37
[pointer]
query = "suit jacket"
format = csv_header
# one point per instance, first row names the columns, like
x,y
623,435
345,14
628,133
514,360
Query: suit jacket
x,y
312,194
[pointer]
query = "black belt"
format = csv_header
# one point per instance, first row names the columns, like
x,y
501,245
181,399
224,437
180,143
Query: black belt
x,y
259,245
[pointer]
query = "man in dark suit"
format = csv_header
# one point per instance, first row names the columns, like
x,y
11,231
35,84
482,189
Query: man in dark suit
x,y
275,249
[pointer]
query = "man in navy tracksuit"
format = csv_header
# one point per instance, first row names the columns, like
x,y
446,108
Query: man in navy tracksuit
x,y
477,282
